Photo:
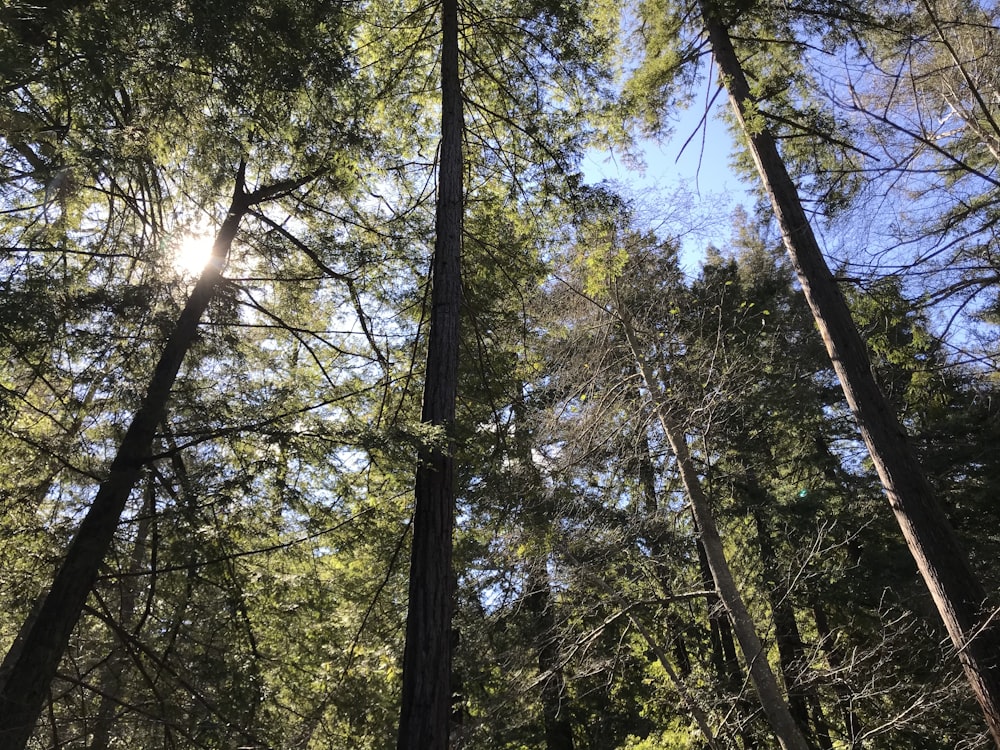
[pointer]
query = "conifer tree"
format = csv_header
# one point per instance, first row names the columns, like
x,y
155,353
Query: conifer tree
x,y
959,597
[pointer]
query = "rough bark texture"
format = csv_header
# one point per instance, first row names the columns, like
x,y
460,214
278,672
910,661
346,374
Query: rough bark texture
x,y
31,663
426,699
959,597
764,682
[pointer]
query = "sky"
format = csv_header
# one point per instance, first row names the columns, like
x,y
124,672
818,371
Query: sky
x,y
701,171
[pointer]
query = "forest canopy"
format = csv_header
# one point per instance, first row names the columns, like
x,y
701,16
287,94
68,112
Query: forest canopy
x,y
438,443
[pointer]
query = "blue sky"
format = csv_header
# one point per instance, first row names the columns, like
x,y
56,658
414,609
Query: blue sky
x,y
702,171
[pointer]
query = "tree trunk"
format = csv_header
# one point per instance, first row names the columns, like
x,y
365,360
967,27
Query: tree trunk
x,y
720,633
852,725
803,700
786,631
675,627
538,602
426,699
959,597
31,663
771,700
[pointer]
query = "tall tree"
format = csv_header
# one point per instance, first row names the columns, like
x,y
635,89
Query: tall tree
x,y
32,661
108,156
612,247
426,700
772,701
959,597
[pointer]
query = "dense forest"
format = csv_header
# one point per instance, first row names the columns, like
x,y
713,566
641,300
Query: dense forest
x,y
340,409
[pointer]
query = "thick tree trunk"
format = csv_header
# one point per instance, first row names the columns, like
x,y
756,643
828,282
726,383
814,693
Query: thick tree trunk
x,y
764,682
426,699
959,597
31,663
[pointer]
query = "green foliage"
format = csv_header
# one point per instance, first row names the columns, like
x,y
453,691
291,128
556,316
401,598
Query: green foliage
x,y
255,593
904,352
667,71
679,738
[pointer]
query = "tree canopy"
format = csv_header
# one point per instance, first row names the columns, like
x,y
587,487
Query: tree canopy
x,y
439,443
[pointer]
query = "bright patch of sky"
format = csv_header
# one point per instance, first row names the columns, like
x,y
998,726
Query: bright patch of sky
x,y
686,191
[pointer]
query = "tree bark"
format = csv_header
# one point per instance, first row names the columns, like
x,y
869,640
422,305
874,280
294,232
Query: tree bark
x,y
958,595
426,698
31,663
771,700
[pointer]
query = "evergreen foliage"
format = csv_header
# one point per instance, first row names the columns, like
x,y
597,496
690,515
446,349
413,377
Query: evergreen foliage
x,y
253,589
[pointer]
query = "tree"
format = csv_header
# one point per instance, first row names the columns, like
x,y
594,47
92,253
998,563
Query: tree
x,y
426,704
503,145
251,586
958,595
31,662
98,152
773,703
610,250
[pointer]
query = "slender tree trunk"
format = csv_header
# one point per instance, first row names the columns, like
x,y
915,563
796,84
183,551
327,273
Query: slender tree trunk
x,y
803,700
539,604
426,699
31,663
852,725
786,631
771,700
720,632
675,627
112,684
959,597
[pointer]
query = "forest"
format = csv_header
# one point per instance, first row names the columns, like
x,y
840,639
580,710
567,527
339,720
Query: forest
x,y
341,409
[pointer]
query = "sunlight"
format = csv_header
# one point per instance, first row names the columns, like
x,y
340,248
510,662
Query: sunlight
x,y
193,252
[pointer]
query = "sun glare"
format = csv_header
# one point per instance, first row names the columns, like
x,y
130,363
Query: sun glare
x,y
193,253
